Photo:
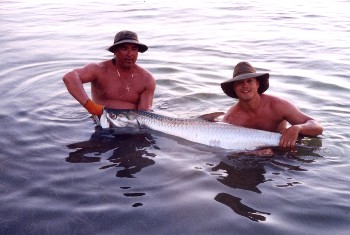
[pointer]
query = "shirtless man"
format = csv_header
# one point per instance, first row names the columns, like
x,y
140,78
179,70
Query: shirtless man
x,y
265,112
118,83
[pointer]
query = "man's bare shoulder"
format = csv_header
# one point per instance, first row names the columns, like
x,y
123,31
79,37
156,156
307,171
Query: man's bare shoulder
x,y
274,100
146,75
279,106
92,71
103,66
95,67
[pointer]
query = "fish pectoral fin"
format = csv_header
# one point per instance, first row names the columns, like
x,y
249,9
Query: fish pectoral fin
x,y
103,122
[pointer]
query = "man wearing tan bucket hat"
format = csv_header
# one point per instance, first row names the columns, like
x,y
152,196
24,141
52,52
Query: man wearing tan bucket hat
x,y
265,112
118,83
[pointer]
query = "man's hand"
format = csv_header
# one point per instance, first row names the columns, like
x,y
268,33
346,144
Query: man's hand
x,y
289,137
93,108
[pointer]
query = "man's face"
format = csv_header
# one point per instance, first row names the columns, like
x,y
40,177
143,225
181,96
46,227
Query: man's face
x,y
246,89
126,54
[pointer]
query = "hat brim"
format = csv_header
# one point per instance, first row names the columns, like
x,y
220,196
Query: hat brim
x,y
142,47
263,79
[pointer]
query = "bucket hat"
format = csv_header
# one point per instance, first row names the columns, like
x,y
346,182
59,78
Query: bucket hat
x,y
243,70
126,36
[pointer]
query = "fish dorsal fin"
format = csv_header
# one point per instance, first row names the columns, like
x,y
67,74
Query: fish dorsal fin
x,y
211,117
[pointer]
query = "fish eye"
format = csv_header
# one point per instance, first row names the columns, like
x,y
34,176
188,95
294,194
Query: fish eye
x,y
113,116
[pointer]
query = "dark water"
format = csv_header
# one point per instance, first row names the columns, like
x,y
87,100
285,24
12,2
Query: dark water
x,y
60,176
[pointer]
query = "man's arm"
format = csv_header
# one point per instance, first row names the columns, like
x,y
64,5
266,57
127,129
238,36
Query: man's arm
x,y
301,124
74,82
146,97
75,86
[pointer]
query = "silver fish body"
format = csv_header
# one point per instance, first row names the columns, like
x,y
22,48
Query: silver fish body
x,y
215,134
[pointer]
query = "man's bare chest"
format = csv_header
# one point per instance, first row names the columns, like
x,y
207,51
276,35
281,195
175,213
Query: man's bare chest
x,y
262,120
114,87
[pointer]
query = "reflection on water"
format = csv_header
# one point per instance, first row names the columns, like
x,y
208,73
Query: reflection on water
x,y
128,151
243,173
248,172
239,208
246,178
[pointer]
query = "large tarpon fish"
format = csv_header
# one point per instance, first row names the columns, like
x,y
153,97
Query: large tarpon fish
x,y
197,130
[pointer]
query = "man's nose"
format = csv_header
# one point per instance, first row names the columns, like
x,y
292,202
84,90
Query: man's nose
x,y
245,83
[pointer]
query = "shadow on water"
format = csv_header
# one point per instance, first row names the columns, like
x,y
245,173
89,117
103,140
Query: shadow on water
x,y
248,172
241,173
128,150
239,208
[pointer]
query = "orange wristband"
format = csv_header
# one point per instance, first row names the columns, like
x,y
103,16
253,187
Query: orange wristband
x,y
94,109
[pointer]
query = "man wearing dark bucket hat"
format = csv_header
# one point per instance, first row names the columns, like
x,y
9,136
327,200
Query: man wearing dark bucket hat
x,y
118,83
265,112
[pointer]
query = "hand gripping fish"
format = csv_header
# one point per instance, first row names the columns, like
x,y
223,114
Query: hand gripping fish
x,y
216,134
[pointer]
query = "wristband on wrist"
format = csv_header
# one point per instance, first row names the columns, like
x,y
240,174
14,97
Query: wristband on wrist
x,y
93,108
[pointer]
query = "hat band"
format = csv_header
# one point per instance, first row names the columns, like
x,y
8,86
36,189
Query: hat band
x,y
126,39
238,74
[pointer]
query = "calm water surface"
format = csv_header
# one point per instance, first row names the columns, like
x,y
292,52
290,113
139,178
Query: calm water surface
x,y
60,176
